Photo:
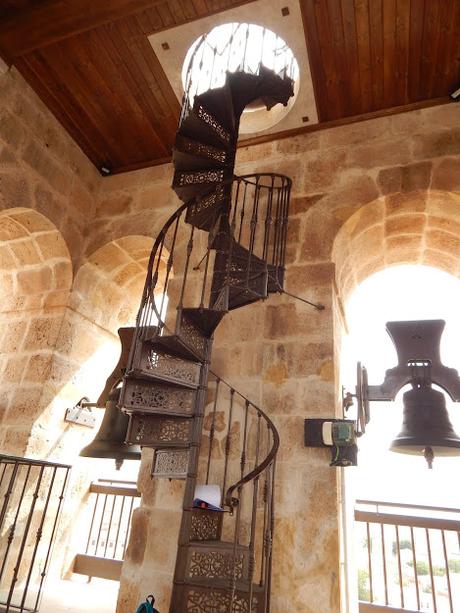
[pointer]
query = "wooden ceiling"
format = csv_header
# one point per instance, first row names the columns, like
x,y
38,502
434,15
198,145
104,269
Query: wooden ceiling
x,y
93,66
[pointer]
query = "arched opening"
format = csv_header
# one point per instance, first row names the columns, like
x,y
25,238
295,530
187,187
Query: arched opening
x,y
397,258
35,279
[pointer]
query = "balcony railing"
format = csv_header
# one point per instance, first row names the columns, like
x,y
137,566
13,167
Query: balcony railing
x,y
111,505
408,557
31,495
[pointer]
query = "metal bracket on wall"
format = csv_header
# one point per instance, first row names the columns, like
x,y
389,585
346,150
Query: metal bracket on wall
x,y
81,413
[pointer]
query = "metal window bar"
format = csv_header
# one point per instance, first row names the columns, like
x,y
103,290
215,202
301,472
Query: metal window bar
x,y
112,504
33,492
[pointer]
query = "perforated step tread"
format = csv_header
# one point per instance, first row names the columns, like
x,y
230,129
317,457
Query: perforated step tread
x,y
191,154
206,320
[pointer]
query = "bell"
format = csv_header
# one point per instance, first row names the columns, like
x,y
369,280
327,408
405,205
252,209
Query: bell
x,y
426,428
109,442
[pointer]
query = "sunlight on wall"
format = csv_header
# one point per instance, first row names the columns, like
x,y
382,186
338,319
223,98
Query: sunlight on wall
x,y
396,294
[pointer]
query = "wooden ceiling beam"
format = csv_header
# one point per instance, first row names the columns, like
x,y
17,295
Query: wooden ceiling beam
x,y
50,22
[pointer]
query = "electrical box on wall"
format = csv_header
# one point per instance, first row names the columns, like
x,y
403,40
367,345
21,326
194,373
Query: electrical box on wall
x,y
337,434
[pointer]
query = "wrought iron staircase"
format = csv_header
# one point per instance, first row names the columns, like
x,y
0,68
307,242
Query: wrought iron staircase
x,y
224,248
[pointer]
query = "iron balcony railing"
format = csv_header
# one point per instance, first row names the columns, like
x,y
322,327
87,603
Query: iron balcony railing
x,y
32,493
110,505
408,557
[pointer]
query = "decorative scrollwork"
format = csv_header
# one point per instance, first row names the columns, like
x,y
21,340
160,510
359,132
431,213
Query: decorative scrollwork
x,y
153,429
170,463
214,564
157,398
205,176
202,149
171,366
205,525
213,123
214,601
192,337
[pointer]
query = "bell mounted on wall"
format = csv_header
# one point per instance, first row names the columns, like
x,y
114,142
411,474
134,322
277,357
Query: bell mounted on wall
x,y
426,429
109,442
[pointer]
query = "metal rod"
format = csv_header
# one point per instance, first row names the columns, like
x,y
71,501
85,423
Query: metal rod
x,y
128,526
53,533
120,519
92,523
38,537
369,561
24,538
384,560
227,444
414,562
401,589
446,566
110,527
430,562
212,429
100,524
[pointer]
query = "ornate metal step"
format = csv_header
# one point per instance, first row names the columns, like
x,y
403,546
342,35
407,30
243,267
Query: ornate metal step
x,y
205,211
155,363
242,290
159,431
205,525
170,464
190,154
197,599
205,320
214,564
219,103
194,184
199,124
140,396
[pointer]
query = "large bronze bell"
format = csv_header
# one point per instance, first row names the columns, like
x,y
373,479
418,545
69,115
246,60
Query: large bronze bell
x,y
109,442
426,428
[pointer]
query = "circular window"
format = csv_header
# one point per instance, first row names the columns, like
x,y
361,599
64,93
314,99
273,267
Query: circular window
x,y
240,47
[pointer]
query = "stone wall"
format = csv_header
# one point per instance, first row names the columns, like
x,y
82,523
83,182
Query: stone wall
x,y
365,196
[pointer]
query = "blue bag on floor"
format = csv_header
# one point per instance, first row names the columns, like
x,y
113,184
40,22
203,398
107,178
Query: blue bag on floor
x,y
147,606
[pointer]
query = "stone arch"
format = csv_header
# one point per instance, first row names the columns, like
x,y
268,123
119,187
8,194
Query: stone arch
x,y
35,278
419,227
105,296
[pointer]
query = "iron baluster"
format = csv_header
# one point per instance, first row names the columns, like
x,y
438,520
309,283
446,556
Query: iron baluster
x,y
92,523
414,562
446,566
401,589
369,562
430,564
110,527
53,532
120,519
268,220
228,443
8,493
100,525
38,537
242,211
12,530
187,263
205,277
24,538
385,580
128,524
212,429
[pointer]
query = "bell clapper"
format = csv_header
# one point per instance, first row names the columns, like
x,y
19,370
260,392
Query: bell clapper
x,y
429,456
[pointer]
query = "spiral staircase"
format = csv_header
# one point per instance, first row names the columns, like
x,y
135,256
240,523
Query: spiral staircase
x,y
224,248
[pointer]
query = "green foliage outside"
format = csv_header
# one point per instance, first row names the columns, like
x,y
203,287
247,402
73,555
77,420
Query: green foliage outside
x,y
403,544
363,585
454,566
422,567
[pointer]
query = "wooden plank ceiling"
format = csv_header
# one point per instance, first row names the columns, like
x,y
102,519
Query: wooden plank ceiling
x,y
370,55
93,66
